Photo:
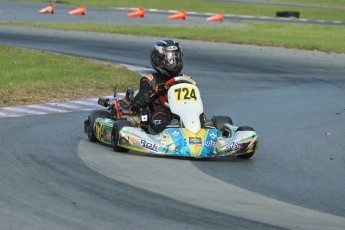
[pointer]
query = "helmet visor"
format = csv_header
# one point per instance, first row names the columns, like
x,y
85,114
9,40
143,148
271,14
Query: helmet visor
x,y
173,59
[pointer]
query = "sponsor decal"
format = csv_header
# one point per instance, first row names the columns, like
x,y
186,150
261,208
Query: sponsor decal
x,y
157,122
195,141
149,145
175,133
138,132
98,130
132,139
164,138
169,48
144,117
213,135
234,146
108,135
210,143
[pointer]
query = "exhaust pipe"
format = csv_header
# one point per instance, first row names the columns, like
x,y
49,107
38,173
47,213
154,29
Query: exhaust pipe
x,y
104,101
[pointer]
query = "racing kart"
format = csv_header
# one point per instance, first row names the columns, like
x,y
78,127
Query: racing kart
x,y
124,128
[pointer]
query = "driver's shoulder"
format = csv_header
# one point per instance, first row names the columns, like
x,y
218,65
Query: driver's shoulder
x,y
185,75
151,76
149,79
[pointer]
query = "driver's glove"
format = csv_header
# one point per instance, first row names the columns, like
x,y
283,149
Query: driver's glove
x,y
160,89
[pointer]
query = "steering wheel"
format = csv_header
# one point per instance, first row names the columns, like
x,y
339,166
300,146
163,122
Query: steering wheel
x,y
175,80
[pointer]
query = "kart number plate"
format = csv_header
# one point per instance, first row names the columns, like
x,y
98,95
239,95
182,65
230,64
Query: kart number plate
x,y
186,93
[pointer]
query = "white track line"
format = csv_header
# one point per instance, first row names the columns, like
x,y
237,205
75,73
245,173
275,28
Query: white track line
x,y
7,114
85,103
23,110
61,107
65,105
42,107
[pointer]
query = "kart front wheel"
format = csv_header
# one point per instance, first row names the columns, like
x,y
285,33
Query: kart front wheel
x,y
115,135
218,123
91,120
248,155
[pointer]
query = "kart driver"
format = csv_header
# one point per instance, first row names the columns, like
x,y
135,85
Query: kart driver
x,y
167,59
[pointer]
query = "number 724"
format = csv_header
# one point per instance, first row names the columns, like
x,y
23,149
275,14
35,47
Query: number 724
x,y
185,93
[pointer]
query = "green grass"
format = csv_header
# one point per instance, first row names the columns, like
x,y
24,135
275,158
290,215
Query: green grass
x,y
311,2
308,37
226,7
302,36
34,76
29,76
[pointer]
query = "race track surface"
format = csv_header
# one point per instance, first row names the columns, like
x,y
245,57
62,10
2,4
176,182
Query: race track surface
x,y
52,177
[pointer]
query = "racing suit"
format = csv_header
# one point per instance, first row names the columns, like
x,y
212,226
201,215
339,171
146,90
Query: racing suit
x,y
147,97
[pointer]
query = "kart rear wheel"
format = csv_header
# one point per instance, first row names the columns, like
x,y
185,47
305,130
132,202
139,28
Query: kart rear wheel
x,y
91,120
118,125
218,123
248,155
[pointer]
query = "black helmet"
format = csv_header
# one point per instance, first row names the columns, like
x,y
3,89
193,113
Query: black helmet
x,y
167,58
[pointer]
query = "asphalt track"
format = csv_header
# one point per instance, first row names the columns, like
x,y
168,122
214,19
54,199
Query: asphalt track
x,y
52,177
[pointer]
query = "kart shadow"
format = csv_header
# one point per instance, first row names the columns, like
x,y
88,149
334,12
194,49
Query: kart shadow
x,y
192,159
207,159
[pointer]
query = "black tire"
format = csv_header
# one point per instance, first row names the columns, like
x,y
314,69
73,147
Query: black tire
x,y
245,128
248,155
91,120
218,123
118,125
288,14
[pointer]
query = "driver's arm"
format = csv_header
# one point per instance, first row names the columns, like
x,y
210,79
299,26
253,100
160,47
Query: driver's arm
x,y
143,99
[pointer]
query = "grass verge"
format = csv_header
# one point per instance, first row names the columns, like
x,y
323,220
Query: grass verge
x,y
29,77
236,8
301,36
314,2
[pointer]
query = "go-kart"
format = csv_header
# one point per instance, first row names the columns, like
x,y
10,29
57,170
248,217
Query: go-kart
x,y
125,128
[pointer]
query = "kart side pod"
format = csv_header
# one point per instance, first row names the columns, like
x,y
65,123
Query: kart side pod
x,y
243,143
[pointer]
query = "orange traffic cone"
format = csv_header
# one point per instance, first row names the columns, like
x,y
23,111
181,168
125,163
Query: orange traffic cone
x,y
216,17
179,15
47,10
80,10
137,13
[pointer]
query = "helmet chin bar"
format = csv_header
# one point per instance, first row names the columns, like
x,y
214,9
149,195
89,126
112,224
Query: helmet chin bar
x,y
162,71
165,73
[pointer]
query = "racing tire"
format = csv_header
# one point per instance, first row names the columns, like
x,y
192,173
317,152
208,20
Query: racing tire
x,y
118,125
288,14
91,120
248,155
218,123
245,128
